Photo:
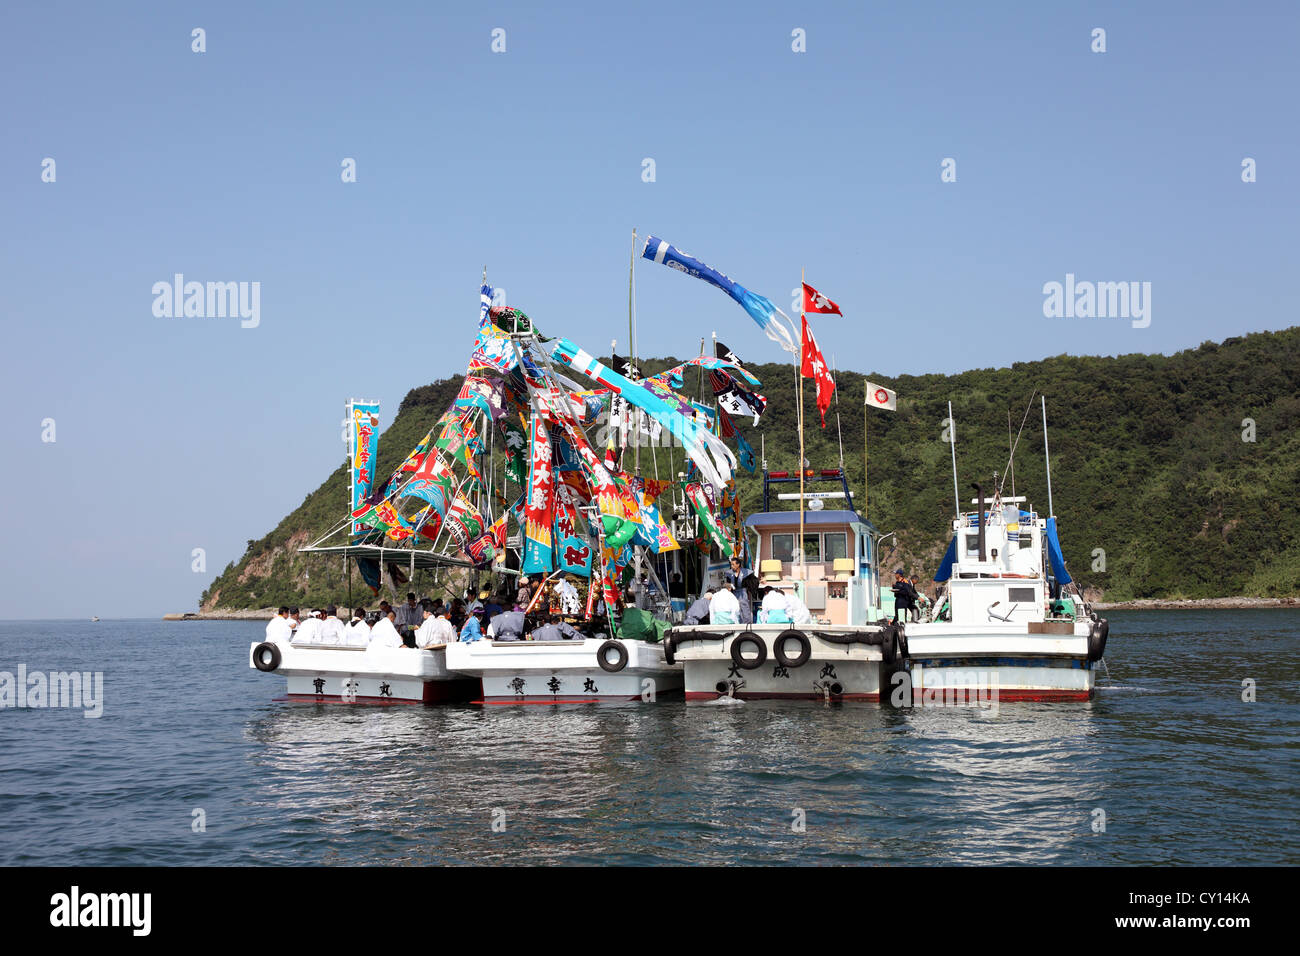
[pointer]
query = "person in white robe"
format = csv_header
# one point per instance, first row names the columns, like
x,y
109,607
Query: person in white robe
x,y
278,630
358,632
723,607
384,633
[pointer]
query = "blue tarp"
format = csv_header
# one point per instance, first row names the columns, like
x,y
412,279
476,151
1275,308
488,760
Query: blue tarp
x,y
1054,554
949,558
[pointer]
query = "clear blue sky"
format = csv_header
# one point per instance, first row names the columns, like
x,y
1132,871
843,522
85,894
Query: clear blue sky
x,y
177,433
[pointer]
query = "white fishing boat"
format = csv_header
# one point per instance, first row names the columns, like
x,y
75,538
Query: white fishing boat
x,y
1009,624
324,673
837,655
567,671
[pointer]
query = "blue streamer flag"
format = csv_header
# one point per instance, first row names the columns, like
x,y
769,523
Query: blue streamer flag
x,y
760,309
745,453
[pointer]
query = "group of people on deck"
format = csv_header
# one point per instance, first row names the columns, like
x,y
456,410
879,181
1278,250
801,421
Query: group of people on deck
x,y
430,622
741,600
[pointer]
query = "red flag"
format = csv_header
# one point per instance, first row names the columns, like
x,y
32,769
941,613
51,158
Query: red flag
x,y
814,301
814,367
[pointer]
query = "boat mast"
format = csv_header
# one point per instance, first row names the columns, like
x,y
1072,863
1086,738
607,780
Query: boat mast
x,y
952,440
1048,456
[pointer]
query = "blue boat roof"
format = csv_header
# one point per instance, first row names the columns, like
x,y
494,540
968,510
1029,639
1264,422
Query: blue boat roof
x,y
766,519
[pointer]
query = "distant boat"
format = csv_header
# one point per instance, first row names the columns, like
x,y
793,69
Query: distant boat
x,y
94,620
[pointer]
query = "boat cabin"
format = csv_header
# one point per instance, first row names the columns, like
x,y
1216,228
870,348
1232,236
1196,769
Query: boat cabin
x,y
995,567
833,567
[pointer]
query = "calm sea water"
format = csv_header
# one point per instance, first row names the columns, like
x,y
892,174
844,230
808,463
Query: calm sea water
x,y
1184,770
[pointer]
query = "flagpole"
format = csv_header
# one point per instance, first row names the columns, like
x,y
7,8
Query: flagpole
x,y
839,435
866,415
803,321
631,331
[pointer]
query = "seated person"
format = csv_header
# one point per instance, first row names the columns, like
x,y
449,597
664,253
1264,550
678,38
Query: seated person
x,y
699,611
554,629
436,627
358,634
332,629
798,611
384,633
309,630
724,608
473,629
278,630
774,609
507,626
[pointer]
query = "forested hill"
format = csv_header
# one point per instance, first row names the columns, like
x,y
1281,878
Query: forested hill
x,y
1183,469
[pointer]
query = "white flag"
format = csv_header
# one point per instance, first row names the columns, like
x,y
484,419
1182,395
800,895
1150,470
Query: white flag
x,y
880,397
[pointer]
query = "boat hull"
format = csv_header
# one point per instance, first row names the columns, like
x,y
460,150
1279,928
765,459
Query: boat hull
x,y
559,672
368,676
832,671
952,663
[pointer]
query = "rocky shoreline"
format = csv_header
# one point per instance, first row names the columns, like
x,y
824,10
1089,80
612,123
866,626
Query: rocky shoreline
x,y
225,614
1196,604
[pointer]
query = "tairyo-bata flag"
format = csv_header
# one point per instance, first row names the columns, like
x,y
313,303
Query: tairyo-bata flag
x,y
760,309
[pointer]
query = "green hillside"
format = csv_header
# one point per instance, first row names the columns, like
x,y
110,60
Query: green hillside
x,y
1148,464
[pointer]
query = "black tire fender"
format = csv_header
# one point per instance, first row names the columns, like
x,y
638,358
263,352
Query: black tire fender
x,y
669,646
889,646
746,663
778,649
266,657
1097,634
603,660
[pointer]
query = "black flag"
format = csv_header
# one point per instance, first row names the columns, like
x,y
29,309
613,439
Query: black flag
x,y
724,353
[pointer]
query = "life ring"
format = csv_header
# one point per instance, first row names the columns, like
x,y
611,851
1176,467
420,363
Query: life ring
x,y
266,656
748,663
778,649
1097,635
604,662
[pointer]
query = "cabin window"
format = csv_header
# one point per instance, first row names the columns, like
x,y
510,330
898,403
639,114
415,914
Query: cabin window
x,y
812,548
783,547
836,546
1020,595
972,545
1026,540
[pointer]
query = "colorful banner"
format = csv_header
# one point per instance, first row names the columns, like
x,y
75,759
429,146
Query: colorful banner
x,y
363,443
539,509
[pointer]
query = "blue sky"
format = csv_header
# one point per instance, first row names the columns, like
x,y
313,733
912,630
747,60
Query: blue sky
x,y
177,433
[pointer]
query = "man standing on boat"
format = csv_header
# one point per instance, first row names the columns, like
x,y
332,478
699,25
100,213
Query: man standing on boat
x,y
904,597
409,617
736,574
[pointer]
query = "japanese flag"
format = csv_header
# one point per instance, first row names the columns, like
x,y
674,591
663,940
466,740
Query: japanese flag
x,y
880,397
